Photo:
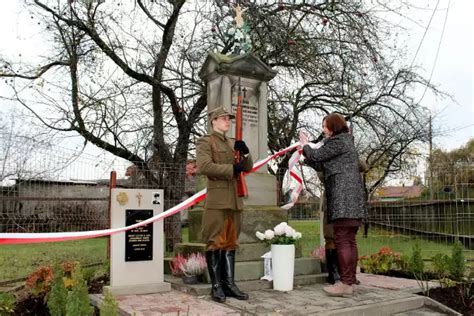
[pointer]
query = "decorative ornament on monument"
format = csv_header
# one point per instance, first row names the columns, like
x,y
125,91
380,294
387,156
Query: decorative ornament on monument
x,y
239,33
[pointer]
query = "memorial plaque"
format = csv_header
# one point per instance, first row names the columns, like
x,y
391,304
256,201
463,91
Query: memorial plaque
x,y
139,241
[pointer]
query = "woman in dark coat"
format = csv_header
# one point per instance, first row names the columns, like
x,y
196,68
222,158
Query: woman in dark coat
x,y
345,196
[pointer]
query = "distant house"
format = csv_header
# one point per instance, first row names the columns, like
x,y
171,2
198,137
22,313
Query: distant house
x,y
393,193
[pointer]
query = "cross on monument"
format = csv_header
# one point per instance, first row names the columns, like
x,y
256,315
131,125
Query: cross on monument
x,y
139,197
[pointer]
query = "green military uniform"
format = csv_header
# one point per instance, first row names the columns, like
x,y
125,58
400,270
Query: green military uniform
x,y
215,159
223,207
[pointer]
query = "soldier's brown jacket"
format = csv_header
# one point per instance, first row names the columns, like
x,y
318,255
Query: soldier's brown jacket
x,y
215,159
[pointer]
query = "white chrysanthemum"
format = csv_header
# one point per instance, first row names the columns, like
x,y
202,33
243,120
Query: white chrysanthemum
x,y
260,235
280,228
289,231
298,235
269,234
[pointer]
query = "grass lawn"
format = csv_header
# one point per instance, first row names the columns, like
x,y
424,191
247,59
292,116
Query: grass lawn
x,y
377,238
18,261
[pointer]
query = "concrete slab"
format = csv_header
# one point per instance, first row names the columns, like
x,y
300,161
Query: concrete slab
x,y
169,303
386,282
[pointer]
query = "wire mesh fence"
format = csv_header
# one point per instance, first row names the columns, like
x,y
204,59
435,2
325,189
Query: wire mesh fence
x,y
51,189
442,211
178,183
434,215
306,211
47,189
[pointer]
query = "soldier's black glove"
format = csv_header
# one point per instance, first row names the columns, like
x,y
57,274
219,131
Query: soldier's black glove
x,y
238,167
241,146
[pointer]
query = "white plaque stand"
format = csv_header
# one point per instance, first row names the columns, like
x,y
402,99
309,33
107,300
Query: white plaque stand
x,y
136,277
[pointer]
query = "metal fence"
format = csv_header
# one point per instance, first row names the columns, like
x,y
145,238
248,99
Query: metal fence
x,y
304,211
57,189
53,189
48,189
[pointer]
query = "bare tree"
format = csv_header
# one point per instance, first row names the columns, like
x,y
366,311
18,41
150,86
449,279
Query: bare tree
x,y
125,75
341,57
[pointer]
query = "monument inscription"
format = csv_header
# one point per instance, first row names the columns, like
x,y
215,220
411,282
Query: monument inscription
x,y
249,108
139,241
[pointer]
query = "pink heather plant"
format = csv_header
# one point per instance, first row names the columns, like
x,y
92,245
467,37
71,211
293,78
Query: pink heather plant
x,y
176,264
195,265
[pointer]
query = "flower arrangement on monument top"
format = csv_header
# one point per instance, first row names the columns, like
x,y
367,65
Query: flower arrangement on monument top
x,y
282,234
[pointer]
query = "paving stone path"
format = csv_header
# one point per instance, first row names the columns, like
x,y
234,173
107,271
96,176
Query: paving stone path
x,y
379,293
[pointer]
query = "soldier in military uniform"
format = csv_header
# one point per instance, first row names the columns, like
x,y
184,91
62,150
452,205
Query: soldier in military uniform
x,y
223,208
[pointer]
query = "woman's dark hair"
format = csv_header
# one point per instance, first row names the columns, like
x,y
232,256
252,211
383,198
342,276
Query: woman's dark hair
x,y
336,123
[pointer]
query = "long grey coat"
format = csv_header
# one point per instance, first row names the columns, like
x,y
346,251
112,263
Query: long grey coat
x,y
344,189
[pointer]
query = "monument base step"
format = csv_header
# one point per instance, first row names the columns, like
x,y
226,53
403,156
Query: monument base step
x,y
245,252
246,286
253,270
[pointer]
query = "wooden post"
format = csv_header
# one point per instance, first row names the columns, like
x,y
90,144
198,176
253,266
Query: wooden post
x,y
112,185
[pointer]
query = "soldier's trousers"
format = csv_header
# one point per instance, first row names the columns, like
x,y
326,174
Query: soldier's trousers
x,y
221,228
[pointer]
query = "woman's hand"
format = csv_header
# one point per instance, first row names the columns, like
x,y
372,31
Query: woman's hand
x,y
304,137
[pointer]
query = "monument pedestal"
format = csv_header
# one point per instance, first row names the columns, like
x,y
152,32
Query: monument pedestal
x,y
262,188
249,264
254,218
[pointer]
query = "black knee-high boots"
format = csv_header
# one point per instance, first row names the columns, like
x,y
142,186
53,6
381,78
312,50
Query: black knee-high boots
x,y
332,266
214,267
228,273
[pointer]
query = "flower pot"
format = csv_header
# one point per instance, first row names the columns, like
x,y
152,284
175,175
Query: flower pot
x,y
190,279
283,267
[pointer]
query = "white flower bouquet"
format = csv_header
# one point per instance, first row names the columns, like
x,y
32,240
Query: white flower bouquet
x,y
282,234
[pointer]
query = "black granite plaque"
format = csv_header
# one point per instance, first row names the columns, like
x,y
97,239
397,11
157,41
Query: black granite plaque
x,y
138,241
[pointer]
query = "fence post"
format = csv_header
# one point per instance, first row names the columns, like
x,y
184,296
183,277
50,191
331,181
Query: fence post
x,y
112,185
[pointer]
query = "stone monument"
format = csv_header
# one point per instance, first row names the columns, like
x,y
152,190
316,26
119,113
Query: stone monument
x,y
223,75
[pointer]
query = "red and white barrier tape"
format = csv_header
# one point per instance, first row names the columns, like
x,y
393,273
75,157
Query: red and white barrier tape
x,y
24,238
292,172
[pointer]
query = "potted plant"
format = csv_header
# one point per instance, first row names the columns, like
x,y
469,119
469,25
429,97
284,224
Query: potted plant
x,y
282,240
175,265
189,268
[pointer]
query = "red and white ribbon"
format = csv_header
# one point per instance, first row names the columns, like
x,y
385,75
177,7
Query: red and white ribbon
x,y
24,238
294,176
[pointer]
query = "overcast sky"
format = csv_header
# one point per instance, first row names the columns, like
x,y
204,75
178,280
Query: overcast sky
x,y
452,71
